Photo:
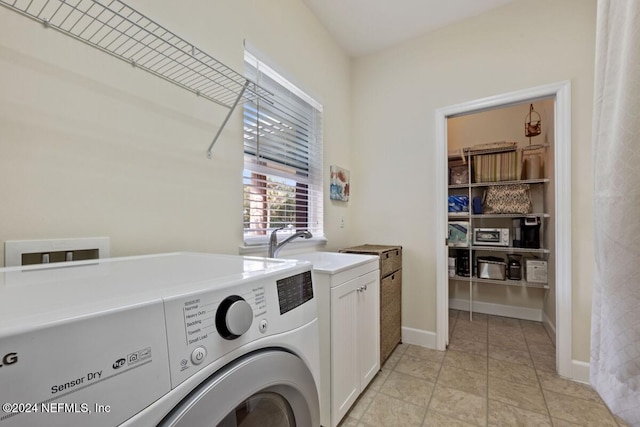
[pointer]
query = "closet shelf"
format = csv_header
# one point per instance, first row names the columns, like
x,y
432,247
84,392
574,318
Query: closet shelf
x,y
495,183
508,282
466,215
462,153
508,249
121,31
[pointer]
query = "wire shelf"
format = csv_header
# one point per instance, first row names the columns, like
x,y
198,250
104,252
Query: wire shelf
x,y
118,29
510,249
508,282
123,32
528,215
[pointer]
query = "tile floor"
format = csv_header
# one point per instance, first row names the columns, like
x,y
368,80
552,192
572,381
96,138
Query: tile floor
x,y
497,371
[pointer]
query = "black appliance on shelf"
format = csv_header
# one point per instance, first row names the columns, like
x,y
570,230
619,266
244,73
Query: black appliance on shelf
x,y
514,267
463,264
530,232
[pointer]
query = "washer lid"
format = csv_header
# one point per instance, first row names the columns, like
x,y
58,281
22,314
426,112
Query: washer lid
x,y
34,295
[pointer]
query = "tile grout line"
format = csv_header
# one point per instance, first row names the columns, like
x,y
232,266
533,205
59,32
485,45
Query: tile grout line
x,y
535,372
435,383
379,391
544,399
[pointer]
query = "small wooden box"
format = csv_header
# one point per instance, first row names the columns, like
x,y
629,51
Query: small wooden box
x,y
390,256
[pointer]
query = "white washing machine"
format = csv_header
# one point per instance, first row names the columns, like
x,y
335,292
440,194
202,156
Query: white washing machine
x,y
181,339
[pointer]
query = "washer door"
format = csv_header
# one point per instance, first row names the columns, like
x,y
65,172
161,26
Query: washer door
x,y
268,388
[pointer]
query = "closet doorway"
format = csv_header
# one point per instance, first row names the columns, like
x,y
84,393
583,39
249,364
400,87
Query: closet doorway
x,y
455,124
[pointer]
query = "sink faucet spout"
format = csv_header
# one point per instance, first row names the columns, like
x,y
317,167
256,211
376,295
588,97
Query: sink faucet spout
x,y
274,246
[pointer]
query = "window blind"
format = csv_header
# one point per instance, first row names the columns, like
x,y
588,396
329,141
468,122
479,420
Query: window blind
x,y
282,177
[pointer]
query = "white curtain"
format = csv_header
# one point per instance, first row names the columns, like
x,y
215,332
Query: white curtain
x,y
615,332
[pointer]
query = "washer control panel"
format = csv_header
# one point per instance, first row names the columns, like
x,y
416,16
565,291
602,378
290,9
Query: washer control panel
x,y
294,291
206,326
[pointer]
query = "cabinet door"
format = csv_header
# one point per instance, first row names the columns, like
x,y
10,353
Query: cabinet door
x,y
355,340
369,327
345,375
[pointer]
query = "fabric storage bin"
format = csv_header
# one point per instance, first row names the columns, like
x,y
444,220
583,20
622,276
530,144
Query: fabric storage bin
x,y
390,293
390,261
390,313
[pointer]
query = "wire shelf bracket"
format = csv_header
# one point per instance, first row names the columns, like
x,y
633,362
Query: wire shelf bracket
x,y
121,31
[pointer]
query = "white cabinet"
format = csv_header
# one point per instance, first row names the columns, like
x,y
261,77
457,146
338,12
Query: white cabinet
x,y
355,340
347,289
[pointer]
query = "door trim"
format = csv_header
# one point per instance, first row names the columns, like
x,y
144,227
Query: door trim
x,y
561,92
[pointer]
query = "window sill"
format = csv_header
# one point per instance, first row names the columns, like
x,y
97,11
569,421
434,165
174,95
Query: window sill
x,y
263,249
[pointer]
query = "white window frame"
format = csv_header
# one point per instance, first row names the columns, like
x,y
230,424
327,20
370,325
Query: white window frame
x,y
252,163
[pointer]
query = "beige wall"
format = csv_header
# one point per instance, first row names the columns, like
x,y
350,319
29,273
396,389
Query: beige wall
x,y
502,124
90,146
396,93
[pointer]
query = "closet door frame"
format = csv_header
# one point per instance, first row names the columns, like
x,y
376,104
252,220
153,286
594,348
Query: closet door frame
x,y
561,93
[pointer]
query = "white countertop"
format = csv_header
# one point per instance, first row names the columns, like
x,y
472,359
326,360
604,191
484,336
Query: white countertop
x,y
334,262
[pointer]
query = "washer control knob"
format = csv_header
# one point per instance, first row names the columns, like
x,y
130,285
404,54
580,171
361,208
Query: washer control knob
x,y
198,355
234,317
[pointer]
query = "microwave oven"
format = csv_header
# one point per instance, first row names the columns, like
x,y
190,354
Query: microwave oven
x,y
491,236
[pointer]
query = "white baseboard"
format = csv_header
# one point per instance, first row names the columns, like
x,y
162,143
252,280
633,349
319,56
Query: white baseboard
x,y
523,313
419,337
580,371
549,327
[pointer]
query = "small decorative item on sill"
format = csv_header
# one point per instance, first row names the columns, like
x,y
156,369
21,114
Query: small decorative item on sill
x,y
339,184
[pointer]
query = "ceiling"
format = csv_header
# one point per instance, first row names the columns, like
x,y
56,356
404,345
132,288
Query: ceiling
x,y
365,26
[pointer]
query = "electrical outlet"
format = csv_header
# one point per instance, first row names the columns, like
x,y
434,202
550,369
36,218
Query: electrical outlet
x,y
342,221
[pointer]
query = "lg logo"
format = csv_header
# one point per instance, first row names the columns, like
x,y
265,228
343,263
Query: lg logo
x,y
9,359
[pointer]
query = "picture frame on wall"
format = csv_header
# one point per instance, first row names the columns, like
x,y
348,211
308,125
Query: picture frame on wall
x,y
339,184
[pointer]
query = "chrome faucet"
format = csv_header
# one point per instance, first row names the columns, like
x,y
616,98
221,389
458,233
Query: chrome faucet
x,y
274,246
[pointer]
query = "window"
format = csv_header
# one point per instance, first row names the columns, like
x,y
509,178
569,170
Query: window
x,y
282,158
